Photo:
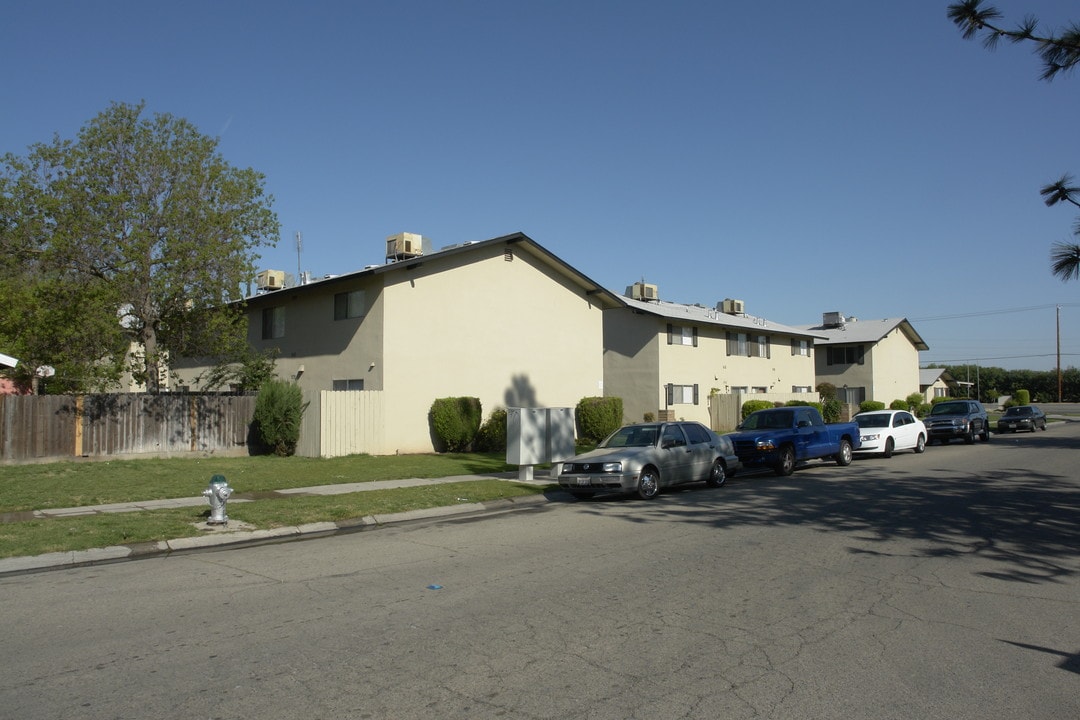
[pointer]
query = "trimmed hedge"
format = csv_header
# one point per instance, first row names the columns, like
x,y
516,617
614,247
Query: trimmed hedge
x,y
805,403
598,417
455,421
871,405
492,434
752,406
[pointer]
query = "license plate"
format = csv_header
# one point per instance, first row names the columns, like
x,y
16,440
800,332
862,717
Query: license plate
x,y
583,481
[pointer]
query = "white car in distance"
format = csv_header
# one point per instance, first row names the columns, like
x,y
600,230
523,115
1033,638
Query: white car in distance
x,y
883,432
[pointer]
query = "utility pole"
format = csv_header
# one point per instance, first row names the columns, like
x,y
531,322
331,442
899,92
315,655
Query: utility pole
x,y
1059,350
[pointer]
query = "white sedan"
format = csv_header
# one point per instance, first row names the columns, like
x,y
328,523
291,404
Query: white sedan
x,y
886,431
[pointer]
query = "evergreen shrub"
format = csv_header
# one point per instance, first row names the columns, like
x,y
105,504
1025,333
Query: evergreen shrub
x,y
455,421
492,434
751,406
598,417
279,408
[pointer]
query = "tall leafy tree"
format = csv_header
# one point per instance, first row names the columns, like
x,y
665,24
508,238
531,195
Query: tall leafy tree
x,y
1059,53
136,231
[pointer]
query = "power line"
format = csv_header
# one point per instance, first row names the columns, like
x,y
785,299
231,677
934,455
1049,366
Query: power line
x,y
993,312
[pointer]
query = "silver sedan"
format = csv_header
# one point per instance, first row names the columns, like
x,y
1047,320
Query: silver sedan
x,y
648,457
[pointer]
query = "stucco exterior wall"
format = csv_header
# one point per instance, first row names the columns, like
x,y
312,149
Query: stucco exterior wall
x,y
896,368
639,364
504,328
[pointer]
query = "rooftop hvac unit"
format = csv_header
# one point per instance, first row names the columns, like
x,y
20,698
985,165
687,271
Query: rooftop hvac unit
x,y
644,291
832,319
404,245
732,307
270,280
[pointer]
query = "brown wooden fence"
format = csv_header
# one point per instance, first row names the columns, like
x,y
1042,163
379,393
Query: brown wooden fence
x,y
42,427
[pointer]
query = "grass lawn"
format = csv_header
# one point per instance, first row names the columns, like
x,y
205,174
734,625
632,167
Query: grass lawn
x,y
74,484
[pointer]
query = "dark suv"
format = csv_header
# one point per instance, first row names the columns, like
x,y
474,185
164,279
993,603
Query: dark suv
x,y
957,419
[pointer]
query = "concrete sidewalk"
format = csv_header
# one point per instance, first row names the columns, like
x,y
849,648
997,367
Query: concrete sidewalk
x,y
237,534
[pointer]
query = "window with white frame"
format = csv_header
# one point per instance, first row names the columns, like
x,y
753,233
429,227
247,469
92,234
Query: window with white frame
x,y
800,347
760,389
682,394
686,335
800,388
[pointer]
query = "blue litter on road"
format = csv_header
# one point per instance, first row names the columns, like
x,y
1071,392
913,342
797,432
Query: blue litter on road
x,y
434,587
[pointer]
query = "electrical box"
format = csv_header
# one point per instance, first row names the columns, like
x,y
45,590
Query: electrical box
x,y
539,435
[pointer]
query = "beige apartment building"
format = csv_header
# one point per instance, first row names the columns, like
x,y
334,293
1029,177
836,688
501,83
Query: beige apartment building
x,y
668,359
868,359
502,320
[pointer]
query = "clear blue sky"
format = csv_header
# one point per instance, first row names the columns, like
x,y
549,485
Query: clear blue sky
x,y
806,157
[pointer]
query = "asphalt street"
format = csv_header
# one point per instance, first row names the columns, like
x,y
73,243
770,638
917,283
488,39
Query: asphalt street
x,y
940,585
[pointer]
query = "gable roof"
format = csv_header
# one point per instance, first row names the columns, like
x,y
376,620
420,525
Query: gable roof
x,y
519,242
678,312
866,331
929,376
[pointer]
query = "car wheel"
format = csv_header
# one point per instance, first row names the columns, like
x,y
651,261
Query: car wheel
x,y
920,444
648,485
984,436
717,476
889,447
844,456
970,437
786,465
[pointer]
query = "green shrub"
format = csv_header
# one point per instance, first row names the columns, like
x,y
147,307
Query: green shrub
x,y
826,390
871,405
492,434
649,417
899,404
598,417
454,423
805,403
751,406
1023,397
279,408
830,410
924,409
914,400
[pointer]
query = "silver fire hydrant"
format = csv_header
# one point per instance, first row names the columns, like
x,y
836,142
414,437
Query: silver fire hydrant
x,y
218,494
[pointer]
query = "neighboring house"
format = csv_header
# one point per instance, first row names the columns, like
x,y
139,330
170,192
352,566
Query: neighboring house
x,y
868,359
667,359
7,385
502,320
936,383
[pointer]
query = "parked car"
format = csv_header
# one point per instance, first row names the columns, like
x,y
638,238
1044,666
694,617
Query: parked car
x,y
1022,417
957,419
780,438
886,431
648,457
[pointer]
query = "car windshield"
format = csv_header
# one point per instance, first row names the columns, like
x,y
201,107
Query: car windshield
x,y
632,436
1018,412
769,420
950,409
872,420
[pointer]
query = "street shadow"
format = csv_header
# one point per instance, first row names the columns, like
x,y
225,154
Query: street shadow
x,y
1026,521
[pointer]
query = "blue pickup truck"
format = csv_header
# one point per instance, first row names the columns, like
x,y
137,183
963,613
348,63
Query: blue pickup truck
x,y
780,438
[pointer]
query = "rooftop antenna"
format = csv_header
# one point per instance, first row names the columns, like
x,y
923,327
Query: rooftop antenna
x,y
299,247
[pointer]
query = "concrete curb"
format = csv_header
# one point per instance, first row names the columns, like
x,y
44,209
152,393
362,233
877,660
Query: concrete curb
x,y
227,539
